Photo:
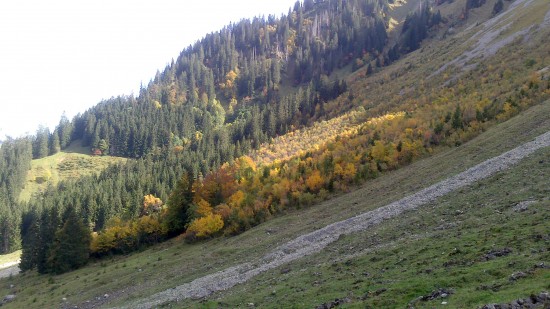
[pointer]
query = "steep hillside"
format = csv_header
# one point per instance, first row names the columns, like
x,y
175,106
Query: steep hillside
x,y
476,88
433,229
221,98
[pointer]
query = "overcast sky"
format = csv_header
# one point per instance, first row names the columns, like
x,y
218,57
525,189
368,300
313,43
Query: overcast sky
x,y
65,56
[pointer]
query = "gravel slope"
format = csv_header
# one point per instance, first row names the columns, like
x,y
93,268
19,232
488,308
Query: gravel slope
x,y
315,241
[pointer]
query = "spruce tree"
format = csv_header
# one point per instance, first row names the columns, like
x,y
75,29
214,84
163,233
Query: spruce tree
x,y
72,244
457,118
179,203
55,145
30,240
49,223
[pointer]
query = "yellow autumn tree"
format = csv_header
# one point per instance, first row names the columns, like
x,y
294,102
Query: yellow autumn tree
x,y
236,199
151,204
206,226
315,181
203,208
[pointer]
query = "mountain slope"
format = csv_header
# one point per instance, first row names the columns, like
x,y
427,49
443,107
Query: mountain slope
x,y
497,88
167,265
219,99
318,240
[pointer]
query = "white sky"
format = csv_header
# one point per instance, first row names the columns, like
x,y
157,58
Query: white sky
x,y
58,56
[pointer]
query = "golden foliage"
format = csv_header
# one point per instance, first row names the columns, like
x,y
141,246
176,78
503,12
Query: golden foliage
x,y
157,104
315,181
298,142
236,199
203,208
151,204
206,226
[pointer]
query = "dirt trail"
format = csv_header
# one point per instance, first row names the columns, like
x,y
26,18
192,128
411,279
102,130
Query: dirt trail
x,y
315,241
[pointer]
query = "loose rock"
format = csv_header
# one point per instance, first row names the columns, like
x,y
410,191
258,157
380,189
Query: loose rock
x,y
517,275
493,254
335,303
442,292
540,301
523,206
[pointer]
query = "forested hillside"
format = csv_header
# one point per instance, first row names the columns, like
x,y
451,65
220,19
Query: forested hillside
x,y
221,98
240,84
189,131
15,160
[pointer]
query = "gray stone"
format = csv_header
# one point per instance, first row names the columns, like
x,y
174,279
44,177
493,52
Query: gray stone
x,y
517,275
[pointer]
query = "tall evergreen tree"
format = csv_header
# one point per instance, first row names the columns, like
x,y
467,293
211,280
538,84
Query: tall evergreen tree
x,y
41,143
30,240
55,145
49,224
179,204
72,244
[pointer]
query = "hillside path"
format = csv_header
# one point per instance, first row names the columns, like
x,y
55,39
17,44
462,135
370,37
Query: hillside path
x,y
316,241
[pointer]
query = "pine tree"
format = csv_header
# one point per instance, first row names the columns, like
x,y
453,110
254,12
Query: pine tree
x,y
49,223
179,203
72,244
41,143
497,8
65,129
55,145
30,240
457,118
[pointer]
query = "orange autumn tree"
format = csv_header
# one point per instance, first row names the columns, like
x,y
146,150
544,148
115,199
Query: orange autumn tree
x,y
217,186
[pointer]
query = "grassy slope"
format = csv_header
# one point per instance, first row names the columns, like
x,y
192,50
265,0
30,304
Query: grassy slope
x,y
173,263
71,163
439,246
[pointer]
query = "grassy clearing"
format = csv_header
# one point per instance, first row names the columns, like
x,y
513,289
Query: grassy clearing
x,y
71,163
10,258
126,278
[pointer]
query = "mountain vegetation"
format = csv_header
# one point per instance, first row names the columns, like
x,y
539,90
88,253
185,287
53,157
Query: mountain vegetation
x,y
270,116
221,98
